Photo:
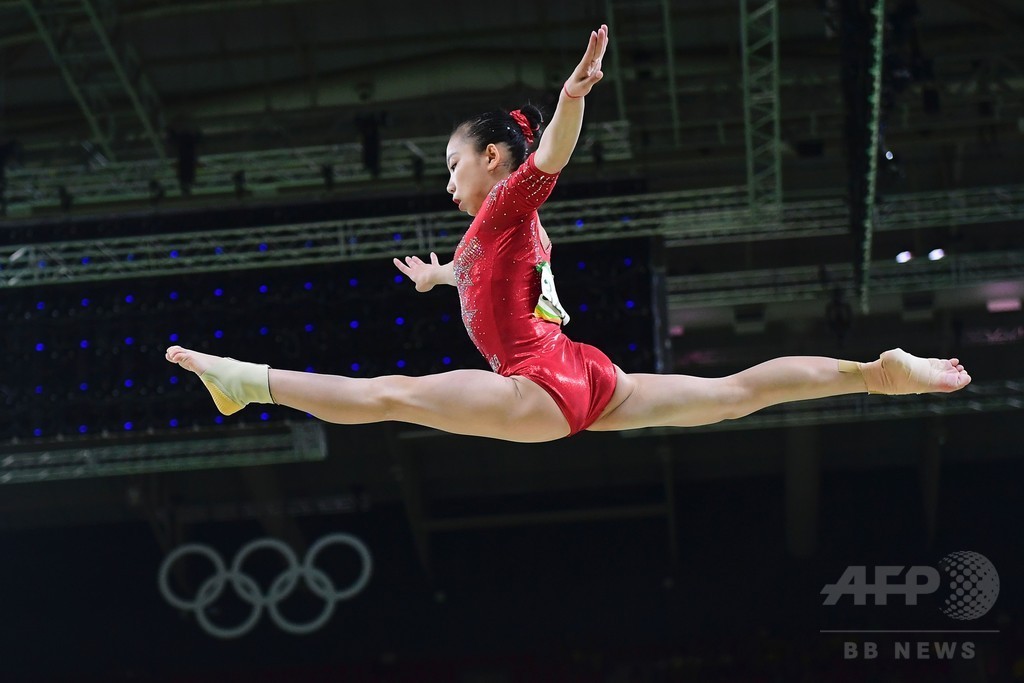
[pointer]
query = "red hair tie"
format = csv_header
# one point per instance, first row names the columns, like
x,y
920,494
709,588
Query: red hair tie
x,y
524,124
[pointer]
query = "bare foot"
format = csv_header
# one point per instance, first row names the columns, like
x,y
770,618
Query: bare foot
x,y
191,360
898,372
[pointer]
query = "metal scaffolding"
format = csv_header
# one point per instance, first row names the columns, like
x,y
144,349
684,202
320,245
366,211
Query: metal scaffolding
x,y
759,30
267,172
874,129
804,283
641,31
682,218
295,442
101,69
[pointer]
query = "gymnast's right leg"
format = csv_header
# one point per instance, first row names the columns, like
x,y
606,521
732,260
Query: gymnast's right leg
x,y
471,402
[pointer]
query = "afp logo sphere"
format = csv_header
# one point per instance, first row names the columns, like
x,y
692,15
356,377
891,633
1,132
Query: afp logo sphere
x,y
973,585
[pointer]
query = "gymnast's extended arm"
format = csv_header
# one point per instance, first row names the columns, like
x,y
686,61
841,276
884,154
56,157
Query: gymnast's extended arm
x,y
561,135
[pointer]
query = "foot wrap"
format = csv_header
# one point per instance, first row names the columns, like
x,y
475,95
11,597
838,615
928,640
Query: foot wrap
x,y
896,372
234,384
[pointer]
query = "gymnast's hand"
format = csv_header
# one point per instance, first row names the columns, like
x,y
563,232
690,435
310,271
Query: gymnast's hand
x,y
426,275
588,72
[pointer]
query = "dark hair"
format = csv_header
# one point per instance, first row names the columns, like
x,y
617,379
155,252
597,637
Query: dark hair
x,y
498,126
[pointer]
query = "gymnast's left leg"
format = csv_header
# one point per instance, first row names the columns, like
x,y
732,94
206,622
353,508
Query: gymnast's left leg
x,y
646,400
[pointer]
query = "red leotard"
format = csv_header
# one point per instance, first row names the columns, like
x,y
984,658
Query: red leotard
x,y
495,273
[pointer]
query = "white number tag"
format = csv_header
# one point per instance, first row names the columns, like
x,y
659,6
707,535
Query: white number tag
x,y
548,306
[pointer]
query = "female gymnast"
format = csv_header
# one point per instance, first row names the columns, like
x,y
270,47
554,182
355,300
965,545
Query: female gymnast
x,y
543,386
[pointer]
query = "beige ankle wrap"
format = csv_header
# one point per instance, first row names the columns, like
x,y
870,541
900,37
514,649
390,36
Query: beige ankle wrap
x,y
893,374
235,384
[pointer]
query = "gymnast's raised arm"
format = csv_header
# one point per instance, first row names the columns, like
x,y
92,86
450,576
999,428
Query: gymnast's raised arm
x,y
561,135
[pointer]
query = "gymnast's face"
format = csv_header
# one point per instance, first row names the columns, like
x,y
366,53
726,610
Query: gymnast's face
x,y
473,173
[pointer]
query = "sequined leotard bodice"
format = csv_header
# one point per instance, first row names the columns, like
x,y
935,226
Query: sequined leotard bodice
x,y
496,273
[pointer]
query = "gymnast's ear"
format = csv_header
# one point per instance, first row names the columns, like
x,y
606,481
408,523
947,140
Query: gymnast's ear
x,y
496,156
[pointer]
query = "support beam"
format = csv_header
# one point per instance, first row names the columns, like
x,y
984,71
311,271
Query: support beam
x,y
99,70
97,111
759,31
641,31
874,127
131,76
620,94
670,65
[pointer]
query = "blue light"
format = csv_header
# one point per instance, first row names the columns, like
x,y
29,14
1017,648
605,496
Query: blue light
x,y
173,296
129,257
219,334
218,251
128,341
218,292
446,360
309,327
84,344
632,347
399,321
128,383
41,264
219,419
626,219
583,307
174,253
84,386
129,298
309,368
400,363
174,379
355,367
263,247
581,265
629,303
264,416
397,236
173,337
82,429
128,426
263,289
85,260
353,282
309,244
40,306
308,285
445,317
40,346
579,222
264,331
627,262
37,432
39,389
85,303
398,278
173,422
354,324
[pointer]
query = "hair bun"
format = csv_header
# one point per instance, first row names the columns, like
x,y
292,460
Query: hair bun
x,y
533,115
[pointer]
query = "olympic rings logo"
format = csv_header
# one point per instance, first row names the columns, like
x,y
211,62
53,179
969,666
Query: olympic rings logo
x,y
280,588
